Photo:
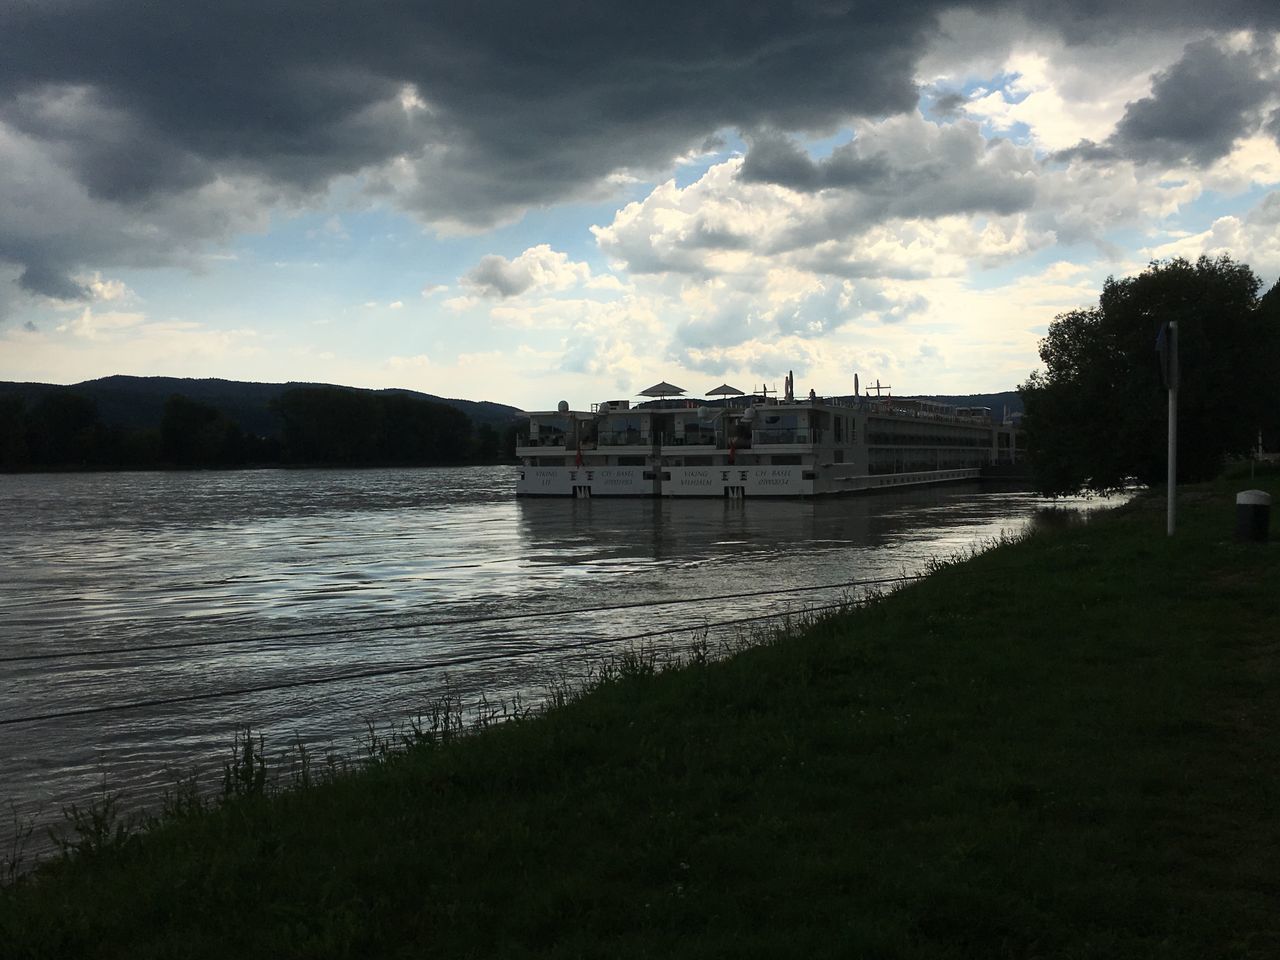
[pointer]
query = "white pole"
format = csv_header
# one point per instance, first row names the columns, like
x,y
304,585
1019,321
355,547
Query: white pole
x,y
1172,481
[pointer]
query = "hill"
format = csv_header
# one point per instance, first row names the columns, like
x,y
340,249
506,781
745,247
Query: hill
x,y
1009,400
137,403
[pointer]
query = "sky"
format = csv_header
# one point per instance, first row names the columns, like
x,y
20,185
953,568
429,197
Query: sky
x,y
524,201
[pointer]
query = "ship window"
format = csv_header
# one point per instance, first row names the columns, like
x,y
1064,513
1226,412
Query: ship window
x,y
631,461
786,460
552,425
839,457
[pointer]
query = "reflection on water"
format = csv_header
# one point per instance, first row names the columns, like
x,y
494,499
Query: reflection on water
x,y
372,561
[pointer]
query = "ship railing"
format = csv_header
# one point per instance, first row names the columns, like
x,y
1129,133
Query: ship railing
x,y
787,435
878,439
689,440
622,438
555,440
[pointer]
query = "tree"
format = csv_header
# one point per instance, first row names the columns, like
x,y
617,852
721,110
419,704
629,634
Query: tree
x,y
63,429
1095,417
13,432
196,434
358,428
487,441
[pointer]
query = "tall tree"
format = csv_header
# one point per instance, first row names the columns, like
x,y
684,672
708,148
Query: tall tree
x,y
196,434
13,432
356,427
1095,417
63,429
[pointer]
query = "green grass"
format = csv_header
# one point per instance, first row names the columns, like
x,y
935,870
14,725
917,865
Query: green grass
x,y
1065,747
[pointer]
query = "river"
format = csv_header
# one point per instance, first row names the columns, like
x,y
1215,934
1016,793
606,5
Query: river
x,y
264,578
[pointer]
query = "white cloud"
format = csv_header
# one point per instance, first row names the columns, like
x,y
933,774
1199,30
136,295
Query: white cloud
x,y
331,229
1061,99
419,361
607,282
1063,93
538,269
105,290
910,250
51,224
1254,161
98,326
1253,239
95,344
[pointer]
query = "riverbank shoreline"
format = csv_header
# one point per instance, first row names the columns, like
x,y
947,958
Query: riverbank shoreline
x,y
1062,747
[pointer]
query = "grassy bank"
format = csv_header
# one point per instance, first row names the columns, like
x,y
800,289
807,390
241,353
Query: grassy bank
x,y
1066,747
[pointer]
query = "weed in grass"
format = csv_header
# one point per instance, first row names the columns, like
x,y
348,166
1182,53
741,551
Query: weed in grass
x,y
96,829
245,774
183,800
486,713
699,651
559,690
23,829
300,775
637,662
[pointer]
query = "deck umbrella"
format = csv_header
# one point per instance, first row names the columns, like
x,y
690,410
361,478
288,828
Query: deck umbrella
x,y
662,389
724,390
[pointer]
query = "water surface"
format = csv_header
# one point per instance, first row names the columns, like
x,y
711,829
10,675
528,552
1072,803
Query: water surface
x,y
321,573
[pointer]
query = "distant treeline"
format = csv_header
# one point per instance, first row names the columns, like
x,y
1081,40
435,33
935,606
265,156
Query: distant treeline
x,y
318,426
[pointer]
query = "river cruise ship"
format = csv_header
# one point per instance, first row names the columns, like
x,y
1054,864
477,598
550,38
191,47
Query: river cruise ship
x,y
737,445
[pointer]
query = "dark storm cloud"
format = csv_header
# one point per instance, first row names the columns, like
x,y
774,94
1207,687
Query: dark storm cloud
x,y
535,88
778,159
497,277
949,104
113,154
1197,110
1198,107
913,170
1082,21
49,280
526,103
1273,125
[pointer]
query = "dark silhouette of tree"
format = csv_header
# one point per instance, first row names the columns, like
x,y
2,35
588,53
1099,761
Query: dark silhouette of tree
x,y
13,433
63,429
57,427
487,442
197,435
1096,416
354,427
514,434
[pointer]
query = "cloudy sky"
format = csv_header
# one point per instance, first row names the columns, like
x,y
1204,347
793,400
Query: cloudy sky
x,y
522,202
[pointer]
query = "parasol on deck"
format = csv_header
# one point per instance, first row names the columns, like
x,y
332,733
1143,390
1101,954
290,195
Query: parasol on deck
x,y
724,390
662,389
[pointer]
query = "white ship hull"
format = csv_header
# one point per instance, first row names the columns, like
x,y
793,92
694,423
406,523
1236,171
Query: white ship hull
x,y
756,447
730,482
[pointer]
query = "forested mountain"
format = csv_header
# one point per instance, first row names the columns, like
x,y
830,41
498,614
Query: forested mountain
x,y
1000,403
138,402
163,421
